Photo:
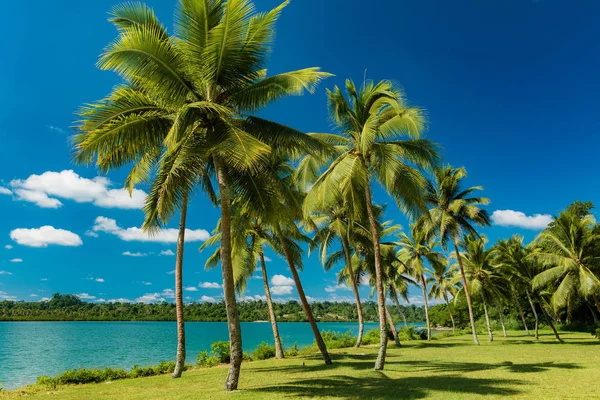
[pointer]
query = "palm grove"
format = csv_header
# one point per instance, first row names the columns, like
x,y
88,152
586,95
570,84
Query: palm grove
x,y
184,121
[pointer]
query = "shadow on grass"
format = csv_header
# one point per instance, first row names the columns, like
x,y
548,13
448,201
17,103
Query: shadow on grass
x,y
380,386
462,367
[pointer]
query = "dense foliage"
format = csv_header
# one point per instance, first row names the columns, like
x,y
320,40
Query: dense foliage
x,y
67,307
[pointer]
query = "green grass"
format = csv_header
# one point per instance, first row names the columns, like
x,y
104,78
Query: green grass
x,y
449,368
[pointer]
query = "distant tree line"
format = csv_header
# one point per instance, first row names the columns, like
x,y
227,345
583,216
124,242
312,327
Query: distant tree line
x,y
68,307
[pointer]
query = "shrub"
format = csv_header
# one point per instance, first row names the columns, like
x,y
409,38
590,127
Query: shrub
x,y
221,351
596,333
337,340
141,372
371,337
205,360
293,352
263,351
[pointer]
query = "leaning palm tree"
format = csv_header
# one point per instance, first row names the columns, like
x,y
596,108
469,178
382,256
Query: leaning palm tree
x,y
415,252
443,281
370,124
210,76
568,251
453,213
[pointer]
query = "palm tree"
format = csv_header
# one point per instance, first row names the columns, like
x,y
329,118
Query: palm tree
x,y
454,212
209,77
415,251
483,277
568,251
511,256
332,225
443,280
369,126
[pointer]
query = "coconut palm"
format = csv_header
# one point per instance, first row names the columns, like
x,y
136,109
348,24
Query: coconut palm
x,y
483,278
415,252
370,124
568,252
453,213
333,225
209,77
443,281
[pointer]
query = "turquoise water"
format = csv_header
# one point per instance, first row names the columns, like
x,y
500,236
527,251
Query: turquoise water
x,y
31,349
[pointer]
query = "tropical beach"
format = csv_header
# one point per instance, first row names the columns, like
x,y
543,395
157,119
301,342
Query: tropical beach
x,y
314,214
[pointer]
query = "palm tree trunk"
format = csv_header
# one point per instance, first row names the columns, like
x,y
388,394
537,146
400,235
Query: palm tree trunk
x,y
487,318
305,306
398,307
535,315
593,313
596,301
276,337
392,327
180,357
233,319
549,319
424,288
449,312
501,317
516,300
380,362
467,294
361,322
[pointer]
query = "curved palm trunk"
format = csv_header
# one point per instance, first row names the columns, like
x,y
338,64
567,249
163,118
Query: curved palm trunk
x,y
596,301
361,322
450,312
501,317
535,315
467,294
276,337
424,288
233,319
398,307
516,300
180,357
487,317
392,327
380,362
305,306
593,313
549,319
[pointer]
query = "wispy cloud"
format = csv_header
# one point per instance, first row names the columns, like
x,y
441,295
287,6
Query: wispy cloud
x,y
16,260
137,254
5,272
167,253
109,225
55,129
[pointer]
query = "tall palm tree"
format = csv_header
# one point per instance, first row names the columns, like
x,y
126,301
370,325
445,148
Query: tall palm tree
x,y
443,280
370,125
568,251
415,252
210,76
453,213
332,225
483,278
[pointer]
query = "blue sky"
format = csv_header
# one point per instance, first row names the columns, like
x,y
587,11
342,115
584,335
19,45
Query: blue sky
x,y
510,87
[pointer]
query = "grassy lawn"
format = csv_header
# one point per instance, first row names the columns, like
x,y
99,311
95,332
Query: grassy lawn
x,y
450,368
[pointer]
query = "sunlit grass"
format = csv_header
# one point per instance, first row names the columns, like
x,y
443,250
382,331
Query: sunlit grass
x,y
450,368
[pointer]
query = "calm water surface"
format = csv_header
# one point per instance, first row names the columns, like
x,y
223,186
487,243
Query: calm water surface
x,y
31,349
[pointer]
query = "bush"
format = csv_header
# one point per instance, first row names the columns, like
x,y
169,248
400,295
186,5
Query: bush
x,y
264,351
141,372
337,340
371,337
205,360
293,352
83,375
221,351
596,333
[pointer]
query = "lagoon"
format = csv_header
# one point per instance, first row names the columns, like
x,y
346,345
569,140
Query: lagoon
x,y
32,349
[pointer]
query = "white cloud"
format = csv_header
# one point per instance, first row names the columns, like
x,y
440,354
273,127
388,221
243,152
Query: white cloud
x,y
33,295
85,296
208,299
168,293
119,300
5,272
91,234
109,225
364,280
520,220
44,279
101,280
4,190
100,301
280,280
130,254
267,259
331,289
170,272
145,283
16,260
150,298
167,253
191,289
5,296
69,185
8,247
209,285
44,236
281,290
56,129
45,299
256,297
